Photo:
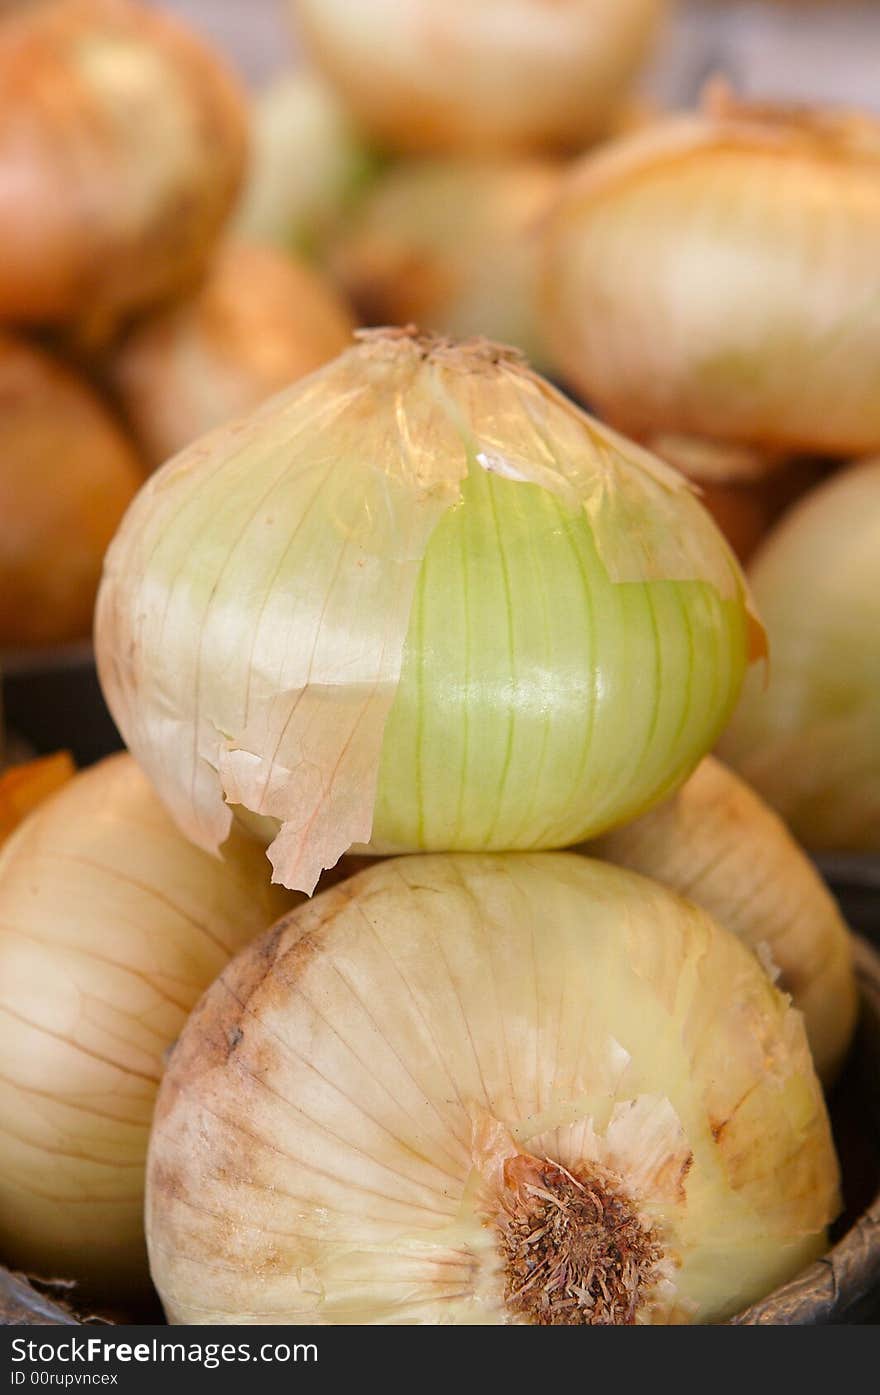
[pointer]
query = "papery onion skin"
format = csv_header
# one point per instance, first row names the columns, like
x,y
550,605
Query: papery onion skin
x,y
309,165
111,925
422,601
259,321
716,275
423,1028
717,843
121,151
510,75
810,741
451,245
67,474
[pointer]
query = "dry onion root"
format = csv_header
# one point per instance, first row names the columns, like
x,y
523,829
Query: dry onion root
x,y
717,843
508,75
475,1089
717,275
111,925
810,741
453,246
121,150
419,601
67,474
308,166
259,322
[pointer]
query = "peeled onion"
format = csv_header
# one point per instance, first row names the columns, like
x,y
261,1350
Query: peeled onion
x,y
121,149
717,275
511,75
111,925
532,1089
418,601
717,843
260,321
453,246
67,474
809,741
309,164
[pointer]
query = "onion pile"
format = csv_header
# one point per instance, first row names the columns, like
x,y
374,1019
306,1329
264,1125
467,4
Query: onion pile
x,y
507,75
497,1090
259,322
111,925
342,619
67,474
23,787
121,151
453,246
810,740
717,275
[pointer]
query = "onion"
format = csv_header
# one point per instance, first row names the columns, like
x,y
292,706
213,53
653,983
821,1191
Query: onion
x,y
121,151
66,476
810,741
259,322
451,245
511,75
475,1089
23,787
422,601
111,925
717,275
718,844
309,165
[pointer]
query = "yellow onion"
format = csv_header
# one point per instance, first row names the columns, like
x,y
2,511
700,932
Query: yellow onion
x,y
309,163
67,473
23,787
511,75
516,1089
259,322
451,245
420,601
717,275
717,843
121,150
809,741
111,926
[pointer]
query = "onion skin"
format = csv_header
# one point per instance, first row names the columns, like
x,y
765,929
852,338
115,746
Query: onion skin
x,y
437,1020
515,76
717,843
366,645
110,928
453,246
122,147
24,787
67,474
716,275
810,741
260,321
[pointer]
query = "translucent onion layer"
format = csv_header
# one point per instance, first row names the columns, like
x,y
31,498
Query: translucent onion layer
x,y
717,843
418,601
501,75
111,925
122,146
309,164
717,275
67,474
499,1090
810,741
452,245
259,321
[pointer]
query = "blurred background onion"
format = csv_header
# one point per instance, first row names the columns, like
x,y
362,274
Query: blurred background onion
x,y
67,473
259,321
